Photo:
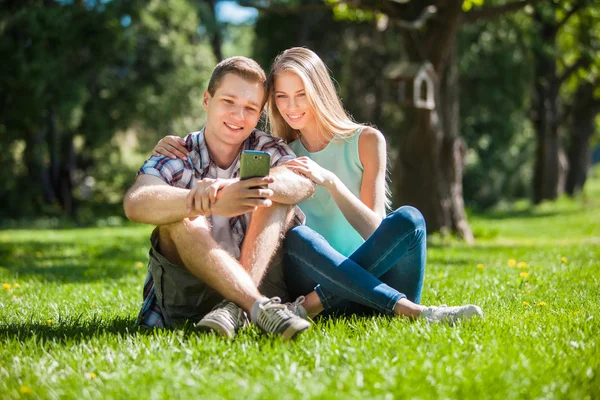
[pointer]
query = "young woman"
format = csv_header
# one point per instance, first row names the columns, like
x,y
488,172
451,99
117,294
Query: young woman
x,y
349,257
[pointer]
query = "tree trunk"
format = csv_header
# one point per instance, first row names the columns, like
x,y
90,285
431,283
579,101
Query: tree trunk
x,y
453,150
38,172
53,138
585,109
428,172
65,181
551,163
216,40
416,173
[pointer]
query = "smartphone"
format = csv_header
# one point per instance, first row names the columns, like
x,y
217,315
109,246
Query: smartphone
x,y
254,164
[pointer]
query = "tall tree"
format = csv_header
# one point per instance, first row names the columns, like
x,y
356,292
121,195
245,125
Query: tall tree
x,y
580,40
428,172
86,70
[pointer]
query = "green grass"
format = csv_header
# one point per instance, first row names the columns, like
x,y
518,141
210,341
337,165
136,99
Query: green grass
x,y
66,330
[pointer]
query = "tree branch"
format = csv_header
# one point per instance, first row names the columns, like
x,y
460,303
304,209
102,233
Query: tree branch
x,y
283,9
569,14
492,12
417,23
581,62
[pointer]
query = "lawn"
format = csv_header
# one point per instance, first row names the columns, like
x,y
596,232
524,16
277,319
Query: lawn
x,y
70,297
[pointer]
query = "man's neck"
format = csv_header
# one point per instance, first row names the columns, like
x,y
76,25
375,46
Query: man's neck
x,y
221,153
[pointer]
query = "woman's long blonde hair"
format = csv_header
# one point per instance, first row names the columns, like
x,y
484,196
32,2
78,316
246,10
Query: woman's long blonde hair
x,y
332,120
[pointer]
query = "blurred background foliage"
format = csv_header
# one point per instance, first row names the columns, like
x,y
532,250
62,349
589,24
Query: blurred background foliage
x,y
88,87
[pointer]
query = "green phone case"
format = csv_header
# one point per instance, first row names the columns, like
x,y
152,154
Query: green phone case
x,y
254,164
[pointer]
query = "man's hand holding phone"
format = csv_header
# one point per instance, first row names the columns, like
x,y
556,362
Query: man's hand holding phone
x,y
243,196
229,197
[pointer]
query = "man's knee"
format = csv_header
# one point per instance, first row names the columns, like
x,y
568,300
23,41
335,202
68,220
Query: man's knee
x,y
281,214
188,229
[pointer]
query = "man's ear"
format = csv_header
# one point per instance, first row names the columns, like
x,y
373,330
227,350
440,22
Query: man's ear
x,y
205,100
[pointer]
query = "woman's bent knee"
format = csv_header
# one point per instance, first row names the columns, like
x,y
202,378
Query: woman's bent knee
x,y
407,218
297,235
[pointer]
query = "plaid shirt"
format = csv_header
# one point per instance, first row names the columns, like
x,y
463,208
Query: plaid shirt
x,y
184,174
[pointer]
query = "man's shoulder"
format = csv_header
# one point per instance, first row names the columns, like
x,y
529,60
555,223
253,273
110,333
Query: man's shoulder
x,y
259,139
193,140
257,133
262,141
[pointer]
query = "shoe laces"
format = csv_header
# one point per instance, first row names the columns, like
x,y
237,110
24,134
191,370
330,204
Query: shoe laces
x,y
293,306
229,311
273,314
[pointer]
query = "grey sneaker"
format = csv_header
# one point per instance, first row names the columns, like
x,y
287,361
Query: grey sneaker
x,y
226,318
274,317
451,315
296,308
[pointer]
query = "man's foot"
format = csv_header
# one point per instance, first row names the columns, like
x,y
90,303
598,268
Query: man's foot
x,y
226,318
296,308
450,315
274,317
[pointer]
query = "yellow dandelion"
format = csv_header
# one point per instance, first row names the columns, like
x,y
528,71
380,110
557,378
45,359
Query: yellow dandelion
x,y
522,264
523,274
16,285
512,262
541,304
90,375
563,260
6,286
576,313
526,304
93,304
139,264
480,266
25,390
49,321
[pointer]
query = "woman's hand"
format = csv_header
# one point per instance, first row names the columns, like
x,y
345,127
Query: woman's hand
x,y
203,194
172,147
312,170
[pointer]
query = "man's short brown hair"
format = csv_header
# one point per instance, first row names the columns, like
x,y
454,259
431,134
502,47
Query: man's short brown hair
x,y
244,67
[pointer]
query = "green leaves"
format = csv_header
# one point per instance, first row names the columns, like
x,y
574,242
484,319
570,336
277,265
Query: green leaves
x,y
469,4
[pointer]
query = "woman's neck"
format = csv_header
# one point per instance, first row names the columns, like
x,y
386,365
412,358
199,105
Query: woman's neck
x,y
312,140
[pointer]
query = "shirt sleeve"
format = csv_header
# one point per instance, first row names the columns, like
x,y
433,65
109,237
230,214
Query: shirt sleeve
x,y
173,172
280,152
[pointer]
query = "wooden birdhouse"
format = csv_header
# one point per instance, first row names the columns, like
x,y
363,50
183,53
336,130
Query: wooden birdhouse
x,y
413,83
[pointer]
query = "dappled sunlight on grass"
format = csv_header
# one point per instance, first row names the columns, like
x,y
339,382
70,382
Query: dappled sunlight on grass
x,y
69,299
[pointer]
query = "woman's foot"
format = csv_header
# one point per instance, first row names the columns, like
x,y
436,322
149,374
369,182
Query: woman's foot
x,y
450,315
406,308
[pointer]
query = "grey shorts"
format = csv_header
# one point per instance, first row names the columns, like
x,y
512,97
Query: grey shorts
x,y
184,297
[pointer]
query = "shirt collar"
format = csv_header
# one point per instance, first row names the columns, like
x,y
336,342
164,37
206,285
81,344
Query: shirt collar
x,y
202,161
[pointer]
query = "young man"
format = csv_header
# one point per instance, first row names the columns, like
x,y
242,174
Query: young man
x,y
215,234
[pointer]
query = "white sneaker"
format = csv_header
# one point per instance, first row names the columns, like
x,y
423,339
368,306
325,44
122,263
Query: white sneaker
x,y
226,318
451,315
274,317
297,308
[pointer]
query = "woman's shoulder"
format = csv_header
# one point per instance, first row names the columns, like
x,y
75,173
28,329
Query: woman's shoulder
x,y
372,147
370,137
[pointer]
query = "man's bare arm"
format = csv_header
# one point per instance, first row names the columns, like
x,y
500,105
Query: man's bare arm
x,y
290,187
152,201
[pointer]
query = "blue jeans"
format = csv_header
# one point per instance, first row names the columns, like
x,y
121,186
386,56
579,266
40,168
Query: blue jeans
x,y
388,266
